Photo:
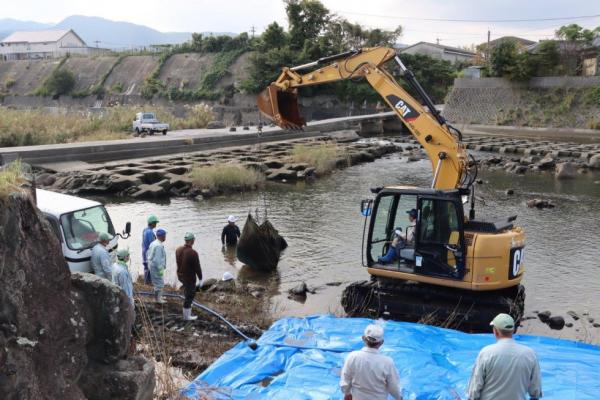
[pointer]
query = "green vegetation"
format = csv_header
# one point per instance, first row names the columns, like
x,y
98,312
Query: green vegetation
x,y
11,178
9,82
324,157
208,83
61,81
32,127
221,178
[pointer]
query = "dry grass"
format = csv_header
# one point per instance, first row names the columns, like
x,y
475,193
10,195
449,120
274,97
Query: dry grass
x,y
32,127
156,345
324,157
11,179
226,177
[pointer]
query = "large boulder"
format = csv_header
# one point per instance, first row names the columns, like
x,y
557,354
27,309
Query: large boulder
x,y
42,332
109,314
594,162
131,379
566,170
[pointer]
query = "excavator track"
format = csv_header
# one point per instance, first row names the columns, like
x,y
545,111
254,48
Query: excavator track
x,y
433,305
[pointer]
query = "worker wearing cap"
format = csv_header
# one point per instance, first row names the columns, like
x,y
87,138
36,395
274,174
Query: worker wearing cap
x,y
368,374
121,276
409,235
148,237
188,267
157,263
100,259
231,232
505,370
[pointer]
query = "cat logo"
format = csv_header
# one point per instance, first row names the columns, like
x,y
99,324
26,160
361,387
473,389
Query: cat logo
x,y
405,111
516,262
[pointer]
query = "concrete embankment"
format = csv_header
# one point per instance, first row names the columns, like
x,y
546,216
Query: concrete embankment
x,y
557,102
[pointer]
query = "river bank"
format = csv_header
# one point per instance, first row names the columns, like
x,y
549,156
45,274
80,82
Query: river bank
x,y
170,176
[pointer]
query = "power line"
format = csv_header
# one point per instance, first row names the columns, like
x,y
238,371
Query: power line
x,y
470,20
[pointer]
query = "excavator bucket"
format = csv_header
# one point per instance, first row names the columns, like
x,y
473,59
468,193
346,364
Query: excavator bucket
x,y
281,107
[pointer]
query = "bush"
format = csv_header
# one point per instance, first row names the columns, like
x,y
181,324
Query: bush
x,y
61,81
11,177
592,96
324,157
10,83
32,127
225,177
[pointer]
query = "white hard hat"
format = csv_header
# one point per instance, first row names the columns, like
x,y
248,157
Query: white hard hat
x,y
227,276
374,333
398,232
231,218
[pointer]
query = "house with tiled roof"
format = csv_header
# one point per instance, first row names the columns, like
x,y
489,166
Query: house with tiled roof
x,y
442,52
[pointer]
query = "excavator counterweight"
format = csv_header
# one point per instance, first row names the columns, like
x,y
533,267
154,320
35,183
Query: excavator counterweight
x,y
281,107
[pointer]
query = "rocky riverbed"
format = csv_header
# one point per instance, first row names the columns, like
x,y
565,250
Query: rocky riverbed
x,y
169,176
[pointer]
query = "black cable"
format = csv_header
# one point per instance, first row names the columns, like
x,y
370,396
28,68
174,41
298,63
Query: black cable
x,y
252,343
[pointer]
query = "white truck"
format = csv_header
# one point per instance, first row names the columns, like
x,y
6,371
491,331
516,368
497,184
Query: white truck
x,y
146,123
77,222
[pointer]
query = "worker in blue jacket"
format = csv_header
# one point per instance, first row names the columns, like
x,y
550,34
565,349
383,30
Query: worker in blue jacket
x,y
148,237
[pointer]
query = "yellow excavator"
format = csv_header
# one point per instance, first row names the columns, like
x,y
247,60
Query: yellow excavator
x,y
446,267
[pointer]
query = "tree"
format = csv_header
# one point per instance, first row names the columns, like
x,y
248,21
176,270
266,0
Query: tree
x,y
574,32
435,76
61,81
503,57
546,58
307,19
273,37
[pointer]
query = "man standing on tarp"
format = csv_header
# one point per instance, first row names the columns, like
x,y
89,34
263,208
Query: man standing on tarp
x,y
505,370
367,374
231,232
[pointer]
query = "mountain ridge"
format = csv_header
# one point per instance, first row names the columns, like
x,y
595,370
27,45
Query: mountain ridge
x,y
104,32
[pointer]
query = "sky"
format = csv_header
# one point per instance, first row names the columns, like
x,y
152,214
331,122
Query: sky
x,y
241,15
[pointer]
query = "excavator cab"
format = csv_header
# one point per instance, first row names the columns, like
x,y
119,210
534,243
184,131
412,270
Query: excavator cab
x,y
281,107
433,245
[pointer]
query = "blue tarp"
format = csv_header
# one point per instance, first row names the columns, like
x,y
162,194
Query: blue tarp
x,y
302,358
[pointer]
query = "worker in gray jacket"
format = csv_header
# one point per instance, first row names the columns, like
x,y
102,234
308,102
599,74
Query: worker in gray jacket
x,y
505,370
100,259
367,374
121,276
157,263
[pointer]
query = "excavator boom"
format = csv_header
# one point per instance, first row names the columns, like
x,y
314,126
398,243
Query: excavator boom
x,y
279,103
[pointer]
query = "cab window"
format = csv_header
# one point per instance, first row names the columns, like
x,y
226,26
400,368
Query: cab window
x,y
81,228
438,221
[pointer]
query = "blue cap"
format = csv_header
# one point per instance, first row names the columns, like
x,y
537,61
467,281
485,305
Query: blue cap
x,y
412,213
161,232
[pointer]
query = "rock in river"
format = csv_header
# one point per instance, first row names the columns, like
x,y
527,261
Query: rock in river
x,y
566,170
544,316
299,290
556,322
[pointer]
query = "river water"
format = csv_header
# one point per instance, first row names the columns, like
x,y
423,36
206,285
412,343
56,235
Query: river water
x,y
322,224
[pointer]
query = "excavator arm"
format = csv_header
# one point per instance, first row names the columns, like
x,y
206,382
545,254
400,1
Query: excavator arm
x,y
279,103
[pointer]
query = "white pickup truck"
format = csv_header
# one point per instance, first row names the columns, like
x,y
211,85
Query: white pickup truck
x,y
146,123
77,222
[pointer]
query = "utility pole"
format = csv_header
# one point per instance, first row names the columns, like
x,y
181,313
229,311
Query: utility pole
x,y
253,30
96,41
437,40
487,50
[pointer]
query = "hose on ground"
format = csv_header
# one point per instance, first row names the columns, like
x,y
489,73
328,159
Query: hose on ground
x,y
251,342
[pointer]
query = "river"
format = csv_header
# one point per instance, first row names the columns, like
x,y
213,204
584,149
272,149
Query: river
x,y
323,226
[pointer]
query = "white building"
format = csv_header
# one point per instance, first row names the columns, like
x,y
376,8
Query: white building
x,y
452,54
44,44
